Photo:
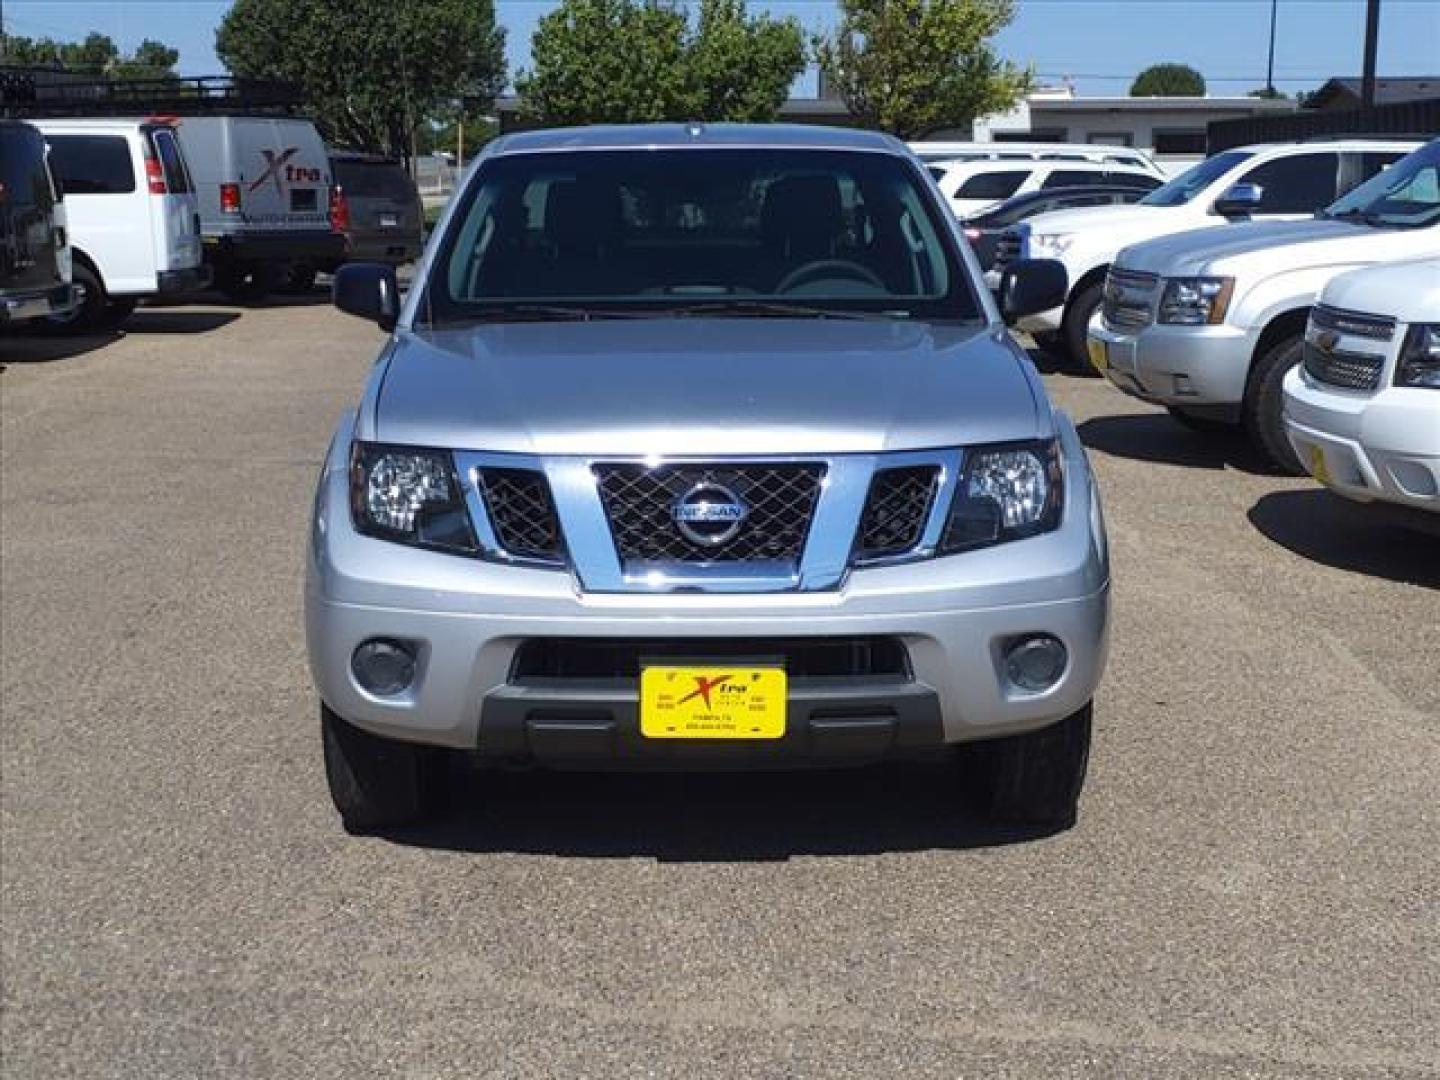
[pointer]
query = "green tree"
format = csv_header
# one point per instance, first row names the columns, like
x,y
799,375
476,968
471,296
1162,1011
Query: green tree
x,y
742,68
912,67
1168,80
96,55
152,60
371,71
621,61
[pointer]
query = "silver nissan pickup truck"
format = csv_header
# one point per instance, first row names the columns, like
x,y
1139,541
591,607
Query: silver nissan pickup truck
x,y
703,447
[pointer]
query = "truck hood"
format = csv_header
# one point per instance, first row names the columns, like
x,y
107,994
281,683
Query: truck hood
x,y
707,386
1124,221
1406,291
1309,243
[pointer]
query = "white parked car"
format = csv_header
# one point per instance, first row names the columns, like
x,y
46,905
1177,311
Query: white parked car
x,y
973,186
1208,324
133,217
1363,408
931,152
1285,181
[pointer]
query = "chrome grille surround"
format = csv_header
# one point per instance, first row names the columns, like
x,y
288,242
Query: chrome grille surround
x,y
1129,299
1352,323
779,501
896,509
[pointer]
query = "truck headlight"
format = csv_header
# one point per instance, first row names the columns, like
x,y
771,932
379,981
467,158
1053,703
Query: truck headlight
x,y
1195,301
410,496
1049,245
1420,357
1006,492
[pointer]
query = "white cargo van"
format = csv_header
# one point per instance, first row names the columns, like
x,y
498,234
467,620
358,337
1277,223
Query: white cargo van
x,y
133,219
265,189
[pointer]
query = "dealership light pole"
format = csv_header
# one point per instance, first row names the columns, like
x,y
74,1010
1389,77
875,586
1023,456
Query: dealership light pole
x,y
1372,45
1270,66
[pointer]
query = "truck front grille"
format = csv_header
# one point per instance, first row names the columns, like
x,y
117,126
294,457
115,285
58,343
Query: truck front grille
x,y
896,510
1354,323
522,513
641,504
1348,370
1129,299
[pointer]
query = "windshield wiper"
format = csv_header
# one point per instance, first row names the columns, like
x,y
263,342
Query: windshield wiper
x,y
1353,214
524,311
772,309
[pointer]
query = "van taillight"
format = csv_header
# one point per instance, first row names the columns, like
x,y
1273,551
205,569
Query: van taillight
x,y
156,175
339,210
230,198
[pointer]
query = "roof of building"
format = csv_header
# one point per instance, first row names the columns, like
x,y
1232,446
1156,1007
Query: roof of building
x,y
655,136
1388,91
1166,104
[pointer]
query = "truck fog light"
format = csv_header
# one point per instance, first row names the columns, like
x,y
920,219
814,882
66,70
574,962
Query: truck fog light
x,y
1036,662
383,668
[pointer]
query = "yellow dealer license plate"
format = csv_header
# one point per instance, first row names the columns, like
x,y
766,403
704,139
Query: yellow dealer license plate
x,y
735,702
1097,354
1318,468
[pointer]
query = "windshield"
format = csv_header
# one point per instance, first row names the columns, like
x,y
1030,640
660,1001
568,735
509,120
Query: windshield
x,y
778,232
373,180
1407,194
1195,179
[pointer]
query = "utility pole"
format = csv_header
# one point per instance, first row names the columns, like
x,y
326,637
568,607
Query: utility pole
x,y
1372,45
1270,65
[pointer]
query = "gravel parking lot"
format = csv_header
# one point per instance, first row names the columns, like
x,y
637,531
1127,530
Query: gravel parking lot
x,y
1253,888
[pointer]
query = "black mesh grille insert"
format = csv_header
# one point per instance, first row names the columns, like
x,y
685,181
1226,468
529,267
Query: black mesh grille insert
x,y
1353,371
548,659
896,510
779,501
522,512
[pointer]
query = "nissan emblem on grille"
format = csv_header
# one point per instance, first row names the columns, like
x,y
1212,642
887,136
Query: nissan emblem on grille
x,y
709,514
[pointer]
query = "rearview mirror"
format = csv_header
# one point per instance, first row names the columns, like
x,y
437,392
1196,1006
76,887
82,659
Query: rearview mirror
x,y
1029,286
368,290
1239,202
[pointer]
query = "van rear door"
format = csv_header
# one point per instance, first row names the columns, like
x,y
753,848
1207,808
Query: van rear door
x,y
29,256
284,174
176,218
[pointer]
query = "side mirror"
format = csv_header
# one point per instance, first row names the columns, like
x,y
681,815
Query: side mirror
x,y
1240,202
368,290
1029,286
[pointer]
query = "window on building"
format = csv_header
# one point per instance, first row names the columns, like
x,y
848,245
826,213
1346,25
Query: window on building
x,y
1180,141
1050,134
1296,184
1110,138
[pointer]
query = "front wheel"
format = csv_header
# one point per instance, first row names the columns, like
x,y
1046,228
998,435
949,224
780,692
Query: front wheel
x,y
1076,327
92,306
1030,779
1263,412
378,783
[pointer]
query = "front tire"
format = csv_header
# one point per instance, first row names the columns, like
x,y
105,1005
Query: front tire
x,y
92,313
1263,412
1078,314
1030,779
378,783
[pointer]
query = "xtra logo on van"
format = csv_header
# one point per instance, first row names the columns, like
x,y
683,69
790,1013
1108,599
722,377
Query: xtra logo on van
x,y
279,170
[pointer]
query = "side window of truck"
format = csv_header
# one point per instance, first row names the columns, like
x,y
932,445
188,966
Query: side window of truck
x,y
92,164
1296,184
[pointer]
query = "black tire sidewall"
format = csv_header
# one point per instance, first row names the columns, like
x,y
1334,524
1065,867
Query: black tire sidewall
x,y
1078,314
1263,412
91,314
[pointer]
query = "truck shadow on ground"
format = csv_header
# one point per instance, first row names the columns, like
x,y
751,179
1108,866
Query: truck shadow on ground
x,y
30,346
1325,528
710,817
1156,438
163,321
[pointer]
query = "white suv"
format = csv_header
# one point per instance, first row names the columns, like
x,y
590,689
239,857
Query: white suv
x,y
1208,324
1282,181
134,219
972,186
1363,408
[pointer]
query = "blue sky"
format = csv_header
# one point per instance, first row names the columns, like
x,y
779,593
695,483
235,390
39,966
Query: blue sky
x,y
1101,44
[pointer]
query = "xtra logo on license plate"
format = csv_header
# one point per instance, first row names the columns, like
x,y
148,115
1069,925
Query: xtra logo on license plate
x,y
683,702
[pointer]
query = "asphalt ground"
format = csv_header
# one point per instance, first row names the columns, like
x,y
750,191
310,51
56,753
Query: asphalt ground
x,y
1251,889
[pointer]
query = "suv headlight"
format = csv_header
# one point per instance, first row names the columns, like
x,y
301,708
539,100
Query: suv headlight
x,y
1006,492
1195,301
1049,245
410,496
1420,357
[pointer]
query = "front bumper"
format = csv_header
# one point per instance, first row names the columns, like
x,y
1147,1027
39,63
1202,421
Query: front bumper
x,y
1201,366
467,619
1367,446
23,306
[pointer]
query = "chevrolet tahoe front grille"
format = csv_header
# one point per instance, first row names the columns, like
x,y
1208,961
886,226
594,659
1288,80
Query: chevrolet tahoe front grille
x,y
770,505
522,513
1353,323
897,508
1348,370
1129,299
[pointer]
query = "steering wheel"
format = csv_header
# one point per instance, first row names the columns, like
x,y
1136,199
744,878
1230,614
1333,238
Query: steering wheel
x,y
823,268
